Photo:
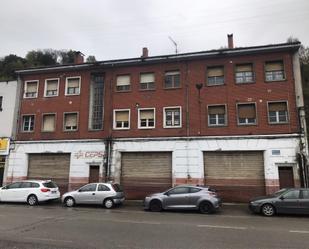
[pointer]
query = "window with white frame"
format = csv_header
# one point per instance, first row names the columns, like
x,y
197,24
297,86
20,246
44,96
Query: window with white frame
x,y
70,121
147,81
215,76
123,83
51,87
277,112
146,118
28,123
274,71
216,115
72,86
172,79
48,124
121,119
246,114
172,117
31,89
244,73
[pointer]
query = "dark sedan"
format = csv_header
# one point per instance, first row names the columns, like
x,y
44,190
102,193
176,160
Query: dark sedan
x,y
285,201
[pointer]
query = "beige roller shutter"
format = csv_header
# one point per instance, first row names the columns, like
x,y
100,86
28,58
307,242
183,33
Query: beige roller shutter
x,y
144,173
238,176
50,166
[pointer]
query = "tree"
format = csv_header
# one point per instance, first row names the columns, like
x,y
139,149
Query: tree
x,y
9,64
37,58
67,56
91,58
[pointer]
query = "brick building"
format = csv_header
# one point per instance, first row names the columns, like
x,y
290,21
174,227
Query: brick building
x,y
230,118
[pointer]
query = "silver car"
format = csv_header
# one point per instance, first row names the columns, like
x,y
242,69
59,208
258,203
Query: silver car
x,y
200,198
107,194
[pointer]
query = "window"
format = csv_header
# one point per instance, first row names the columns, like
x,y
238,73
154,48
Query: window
x,y
1,100
88,188
179,190
31,89
293,194
172,79
216,115
215,76
13,185
146,118
102,187
172,117
305,194
121,119
72,86
274,71
246,114
25,185
70,121
123,83
277,112
147,81
28,123
96,102
48,124
194,190
51,87
244,73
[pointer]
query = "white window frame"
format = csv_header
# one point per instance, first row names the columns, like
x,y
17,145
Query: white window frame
x,y
277,113
217,117
66,85
45,88
154,118
23,123
42,124
164,117
77,121
114,119
25,89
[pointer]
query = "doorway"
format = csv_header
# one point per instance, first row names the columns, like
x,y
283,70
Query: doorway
x,y
286,177
94,173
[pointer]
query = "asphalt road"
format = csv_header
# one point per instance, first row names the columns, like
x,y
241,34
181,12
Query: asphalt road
x,y
53,226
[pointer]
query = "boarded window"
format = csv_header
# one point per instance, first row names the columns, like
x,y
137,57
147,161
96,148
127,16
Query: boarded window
x,y
48,122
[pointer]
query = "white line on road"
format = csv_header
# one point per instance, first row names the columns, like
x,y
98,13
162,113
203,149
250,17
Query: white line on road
x,y
51,240
298,231
224,227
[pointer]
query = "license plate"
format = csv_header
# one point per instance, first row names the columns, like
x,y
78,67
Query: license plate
x,y
54,192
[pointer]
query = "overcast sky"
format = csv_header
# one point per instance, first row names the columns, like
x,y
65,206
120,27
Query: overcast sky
x,y
115,29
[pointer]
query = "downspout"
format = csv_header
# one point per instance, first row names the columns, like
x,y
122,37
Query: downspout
x,y
187,123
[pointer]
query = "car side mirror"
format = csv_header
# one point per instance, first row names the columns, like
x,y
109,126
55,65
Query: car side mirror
x,y
79,190
4,188
281,198
167,194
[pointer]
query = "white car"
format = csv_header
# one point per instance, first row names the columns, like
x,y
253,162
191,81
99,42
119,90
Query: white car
x,y
30,191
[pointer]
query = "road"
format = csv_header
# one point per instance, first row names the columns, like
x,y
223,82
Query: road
x,y
53,226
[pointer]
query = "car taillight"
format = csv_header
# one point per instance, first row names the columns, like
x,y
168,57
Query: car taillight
x,y
213,193
44,190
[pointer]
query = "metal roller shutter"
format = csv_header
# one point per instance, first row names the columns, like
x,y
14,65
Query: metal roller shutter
x,y
144,173
51,166
238,176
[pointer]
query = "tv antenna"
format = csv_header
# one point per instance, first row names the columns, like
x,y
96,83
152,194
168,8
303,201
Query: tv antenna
x,y
175,44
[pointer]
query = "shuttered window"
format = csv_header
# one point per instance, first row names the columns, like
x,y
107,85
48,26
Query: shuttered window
x,y
147,81
244,73
146,118
121,119
123,83
277,112
31,89
51,87
70,121
274,71
172,79
49,122
216,115
246,114
215,76
72,86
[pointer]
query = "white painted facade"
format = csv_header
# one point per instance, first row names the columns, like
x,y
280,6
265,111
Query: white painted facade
x,y
187,154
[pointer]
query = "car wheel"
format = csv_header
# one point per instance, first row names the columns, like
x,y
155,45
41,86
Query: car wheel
x,y
206,208
69,202
268,210
32,200
108,203
155,206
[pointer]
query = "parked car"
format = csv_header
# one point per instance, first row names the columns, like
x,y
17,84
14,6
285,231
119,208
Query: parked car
x,y
200,198
285,201
107,194
30,191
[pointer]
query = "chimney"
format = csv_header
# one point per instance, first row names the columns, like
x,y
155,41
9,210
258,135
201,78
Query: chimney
x,y
145,53
78,57
230,41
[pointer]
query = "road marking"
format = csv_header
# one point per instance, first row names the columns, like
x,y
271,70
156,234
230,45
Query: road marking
x,y
51,240
298,231
137,222
224,227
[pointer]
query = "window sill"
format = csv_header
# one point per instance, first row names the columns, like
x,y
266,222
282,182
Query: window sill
x,y
278,123
215,85
172,127
255,124
270,81
146,128
217,126
75,94
48,132
30,97
124,91
245,83
70,130
25,132
95,130
146,90
172,88
121,129
50,96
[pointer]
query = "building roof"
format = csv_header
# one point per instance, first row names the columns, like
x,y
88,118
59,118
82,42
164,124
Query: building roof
x,y
168,58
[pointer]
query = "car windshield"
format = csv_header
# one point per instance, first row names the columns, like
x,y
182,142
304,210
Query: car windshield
x,y
281,191
50,185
